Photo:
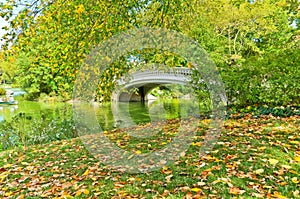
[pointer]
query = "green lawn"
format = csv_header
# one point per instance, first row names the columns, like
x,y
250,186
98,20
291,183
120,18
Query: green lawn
x,y
253,158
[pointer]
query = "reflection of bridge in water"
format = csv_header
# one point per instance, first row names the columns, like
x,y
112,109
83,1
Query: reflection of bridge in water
x,y
159,111
145,81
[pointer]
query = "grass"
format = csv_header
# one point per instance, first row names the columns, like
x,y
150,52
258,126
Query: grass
x,y
253,158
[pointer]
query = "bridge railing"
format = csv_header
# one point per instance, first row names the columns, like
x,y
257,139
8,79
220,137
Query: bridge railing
x,y
159,74
170,71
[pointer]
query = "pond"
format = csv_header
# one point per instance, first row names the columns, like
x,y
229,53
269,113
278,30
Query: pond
x,y
109,115
31,122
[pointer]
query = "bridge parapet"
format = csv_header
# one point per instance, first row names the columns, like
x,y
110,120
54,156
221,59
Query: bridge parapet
x,y
181,74
147,80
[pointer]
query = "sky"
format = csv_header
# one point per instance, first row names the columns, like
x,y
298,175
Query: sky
x,y
2,24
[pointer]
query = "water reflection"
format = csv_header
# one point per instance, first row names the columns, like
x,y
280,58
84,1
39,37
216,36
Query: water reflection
x,y
122,114
109,115
7,111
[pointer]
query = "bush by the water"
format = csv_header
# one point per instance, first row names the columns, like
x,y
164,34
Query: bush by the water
x,y
2,91
24,130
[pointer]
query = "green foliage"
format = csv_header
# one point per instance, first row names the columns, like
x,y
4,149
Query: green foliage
x,y
252,43
51,49
24,130
2,91
270,80
254,47
8,69
172,91
262,111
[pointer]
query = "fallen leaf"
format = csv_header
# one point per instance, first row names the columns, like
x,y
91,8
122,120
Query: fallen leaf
x,y
185,189
259,171
273,161
201,183
7,166
294,142
10,193
195,189
258,195
278,195
188,196
119,184
262,148
22,196
168,178
295,180
236,191
131,179
86,172
297,158
296,193
286,166
86,191
78,193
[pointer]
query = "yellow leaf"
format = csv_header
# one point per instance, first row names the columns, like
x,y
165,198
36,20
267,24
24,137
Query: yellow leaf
x,y
86,172
7,166
295,180
138,152
196,143
131,179
78,193
66,195
80,9
195,189
3,175
86,192
9,193
25,163
273,161
278,195
286,166
297,158
294,142
107,59
262,148
259,171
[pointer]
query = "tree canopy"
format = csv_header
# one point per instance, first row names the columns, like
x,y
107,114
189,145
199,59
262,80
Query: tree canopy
x,y
255,44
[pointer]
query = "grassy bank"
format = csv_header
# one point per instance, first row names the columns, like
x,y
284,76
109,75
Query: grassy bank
x,y
253,158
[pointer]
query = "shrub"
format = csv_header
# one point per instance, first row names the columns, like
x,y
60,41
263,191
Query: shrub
x,y
2,91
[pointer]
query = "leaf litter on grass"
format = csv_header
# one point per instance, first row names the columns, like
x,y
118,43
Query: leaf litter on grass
x,y
254,157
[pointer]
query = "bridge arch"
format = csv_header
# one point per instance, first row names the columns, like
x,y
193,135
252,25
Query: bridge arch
x,y
145,81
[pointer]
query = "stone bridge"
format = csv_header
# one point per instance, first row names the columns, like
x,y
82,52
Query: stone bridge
x,y
139,84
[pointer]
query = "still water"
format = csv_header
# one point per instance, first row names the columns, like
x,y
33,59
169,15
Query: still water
x,y
109,115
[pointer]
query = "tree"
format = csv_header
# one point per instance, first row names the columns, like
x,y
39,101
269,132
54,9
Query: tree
x,y
57,40
8,70
252,42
